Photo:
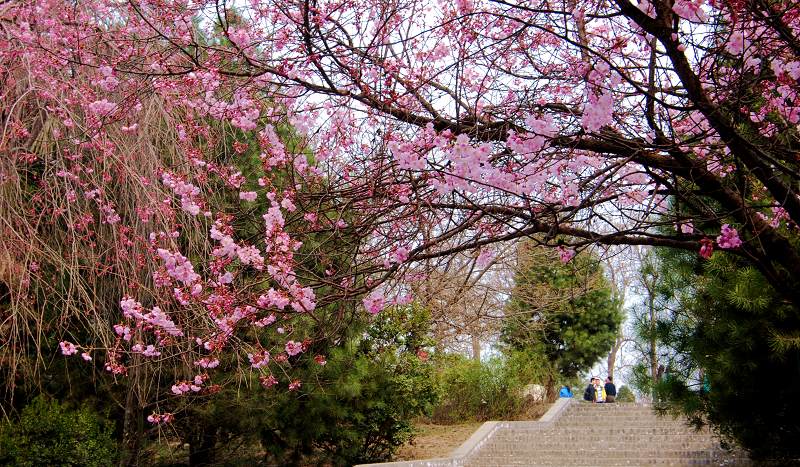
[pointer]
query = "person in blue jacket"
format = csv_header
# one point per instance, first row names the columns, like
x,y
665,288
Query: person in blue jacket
x,y
565,392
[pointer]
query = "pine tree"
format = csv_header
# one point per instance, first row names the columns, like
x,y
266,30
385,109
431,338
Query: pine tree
x,y
733,357
562,311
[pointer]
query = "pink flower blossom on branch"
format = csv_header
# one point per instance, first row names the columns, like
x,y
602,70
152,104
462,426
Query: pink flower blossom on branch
x,y
293,348
102,107
248,195
565,254
268,381
706,248
68,348
178,266
691,10
207,362
597,112
374,303
160,419
728,238
259,359
400,255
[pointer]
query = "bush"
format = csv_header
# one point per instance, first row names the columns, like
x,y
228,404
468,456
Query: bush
x,y
361,413
356,408
624,394
491,390
49,433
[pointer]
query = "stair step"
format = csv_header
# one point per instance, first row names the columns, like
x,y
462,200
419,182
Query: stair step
x,y
602,435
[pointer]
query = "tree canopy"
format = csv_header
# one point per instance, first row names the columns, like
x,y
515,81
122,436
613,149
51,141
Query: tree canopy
x,y
727,359
563,311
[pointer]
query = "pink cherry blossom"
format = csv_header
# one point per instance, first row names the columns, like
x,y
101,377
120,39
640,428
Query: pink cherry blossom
x,y
293,348
248,195
691,10
485,258
181,387
597,112
263,322
147,351
207,362
102,107
68,348
226,278
178,266
706,248
268,381
400,255
737,43
374,303
728,238
565,254
295,385
123,331
259,359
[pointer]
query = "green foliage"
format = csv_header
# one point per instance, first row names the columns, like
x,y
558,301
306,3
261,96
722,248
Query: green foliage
x,y
362,413
731,361
369,391
487,390
356,408
49,433
624,394
564,312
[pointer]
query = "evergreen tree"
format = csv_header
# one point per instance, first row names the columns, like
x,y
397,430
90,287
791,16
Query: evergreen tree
x,y
564,311
730,359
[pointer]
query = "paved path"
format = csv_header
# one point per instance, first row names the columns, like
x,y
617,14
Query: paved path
x,y
577,434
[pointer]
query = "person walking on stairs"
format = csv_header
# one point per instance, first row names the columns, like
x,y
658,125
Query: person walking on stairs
x,y
611,390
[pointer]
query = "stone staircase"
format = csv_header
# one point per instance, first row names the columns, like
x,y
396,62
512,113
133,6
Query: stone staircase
x,y
580,434
604,435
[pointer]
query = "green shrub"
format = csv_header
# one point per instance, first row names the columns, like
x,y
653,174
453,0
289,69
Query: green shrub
x,y
362,413
489,390
624,394
356,408
49,433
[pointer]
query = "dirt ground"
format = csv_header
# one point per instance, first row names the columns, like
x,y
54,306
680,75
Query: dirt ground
x,y
440,440
436,441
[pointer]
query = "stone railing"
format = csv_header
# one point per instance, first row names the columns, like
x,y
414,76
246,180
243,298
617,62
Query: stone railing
x,y
483,435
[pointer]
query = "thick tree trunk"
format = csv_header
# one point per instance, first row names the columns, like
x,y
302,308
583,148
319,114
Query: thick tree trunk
x,y
611,361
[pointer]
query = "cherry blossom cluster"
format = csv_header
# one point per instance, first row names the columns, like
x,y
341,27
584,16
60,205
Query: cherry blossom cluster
x,y
728,238
161,419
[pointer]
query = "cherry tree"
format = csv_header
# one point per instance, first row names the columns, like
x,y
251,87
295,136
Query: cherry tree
x,y
603,122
